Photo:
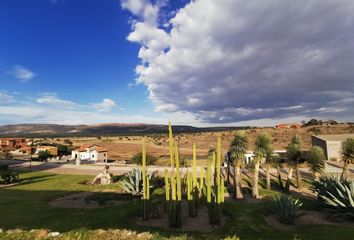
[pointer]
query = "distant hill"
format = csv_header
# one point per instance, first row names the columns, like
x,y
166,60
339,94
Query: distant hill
x,y
56,130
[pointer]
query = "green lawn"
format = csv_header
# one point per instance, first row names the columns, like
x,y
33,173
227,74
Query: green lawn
x,y
25,206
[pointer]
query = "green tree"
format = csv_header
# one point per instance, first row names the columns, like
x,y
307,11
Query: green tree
x,y
44,155
293,152
270,157
316,160
237,151
347,155
262,143
137,159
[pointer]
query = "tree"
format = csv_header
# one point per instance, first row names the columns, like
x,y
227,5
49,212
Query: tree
x,y
276,163
347,155
262,143
237,154
137,159
269,162
316,160
44,155
293,152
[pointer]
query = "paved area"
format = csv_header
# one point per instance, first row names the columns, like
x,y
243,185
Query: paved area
x,y
118,169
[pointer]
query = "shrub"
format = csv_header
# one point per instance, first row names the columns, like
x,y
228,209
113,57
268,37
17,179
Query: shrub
x,y
337,194
44,155
8,175
137,159
132,182
286,208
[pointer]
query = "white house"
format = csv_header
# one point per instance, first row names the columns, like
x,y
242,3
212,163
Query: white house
x,y
90,152
250,155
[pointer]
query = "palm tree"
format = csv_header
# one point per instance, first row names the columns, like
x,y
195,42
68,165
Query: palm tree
x,y
269,159
237,154
293,152
347,155
262,143
316,160
277,165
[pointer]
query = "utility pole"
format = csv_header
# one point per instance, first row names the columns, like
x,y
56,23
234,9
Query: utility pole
x,y
30,166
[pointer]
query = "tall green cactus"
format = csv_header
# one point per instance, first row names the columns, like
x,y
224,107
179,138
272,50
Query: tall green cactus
x,y
146,185
215,195
173,187
191,195
170,136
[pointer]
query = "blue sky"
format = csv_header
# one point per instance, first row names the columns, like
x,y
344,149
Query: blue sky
x,y
76,49
202,62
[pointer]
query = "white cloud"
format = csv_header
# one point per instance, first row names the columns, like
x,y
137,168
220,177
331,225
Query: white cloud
x,y
6,99
53,100
45,114
229,61
105,106
23,74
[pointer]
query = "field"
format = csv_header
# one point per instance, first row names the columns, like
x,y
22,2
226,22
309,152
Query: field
x,y
26,207
124,147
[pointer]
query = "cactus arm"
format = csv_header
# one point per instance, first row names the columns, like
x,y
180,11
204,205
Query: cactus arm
x,y
194,168
167,186
147,188
208,182
178,176
144,169
170,136
189,187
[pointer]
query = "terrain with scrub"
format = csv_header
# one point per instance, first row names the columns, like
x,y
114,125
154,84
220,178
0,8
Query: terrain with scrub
x,y
125,147
30,205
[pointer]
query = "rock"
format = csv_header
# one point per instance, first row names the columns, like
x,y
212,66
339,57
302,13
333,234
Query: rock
x,y
54,234
1,231
104,178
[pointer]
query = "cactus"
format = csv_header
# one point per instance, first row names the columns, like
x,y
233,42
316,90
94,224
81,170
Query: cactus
x,y
173,187
146,185
215,194
192,197
170,136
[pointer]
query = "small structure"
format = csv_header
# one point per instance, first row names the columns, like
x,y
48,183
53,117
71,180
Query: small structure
x,y
90,152
104,177
250,155
288,125
11,144
331,144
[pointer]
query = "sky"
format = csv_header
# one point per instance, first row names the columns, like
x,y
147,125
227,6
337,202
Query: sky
x,y
201,62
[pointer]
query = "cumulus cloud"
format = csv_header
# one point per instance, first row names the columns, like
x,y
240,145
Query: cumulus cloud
x,y
235,60
105,106
23,74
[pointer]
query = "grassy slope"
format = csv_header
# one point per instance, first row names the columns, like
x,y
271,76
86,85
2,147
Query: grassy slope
x,y
25,206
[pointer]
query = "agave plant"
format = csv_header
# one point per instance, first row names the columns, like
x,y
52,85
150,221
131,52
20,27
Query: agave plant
x,y
337,194
286,208
132,182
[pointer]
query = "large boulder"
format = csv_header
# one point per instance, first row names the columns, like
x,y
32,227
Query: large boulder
x,y
104,177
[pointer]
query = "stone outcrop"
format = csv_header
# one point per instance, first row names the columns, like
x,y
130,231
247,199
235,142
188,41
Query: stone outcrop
x,y
104,177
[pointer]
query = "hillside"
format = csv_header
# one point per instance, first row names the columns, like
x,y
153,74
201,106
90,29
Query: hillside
x,y
124,147
56,130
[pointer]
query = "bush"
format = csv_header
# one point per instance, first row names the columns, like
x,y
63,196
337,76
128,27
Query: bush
x,y
286,208
44,155
8,175
137,159
337,194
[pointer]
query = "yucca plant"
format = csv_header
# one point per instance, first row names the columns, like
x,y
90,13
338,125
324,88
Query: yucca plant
x,y
132,182
337,194
286,208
